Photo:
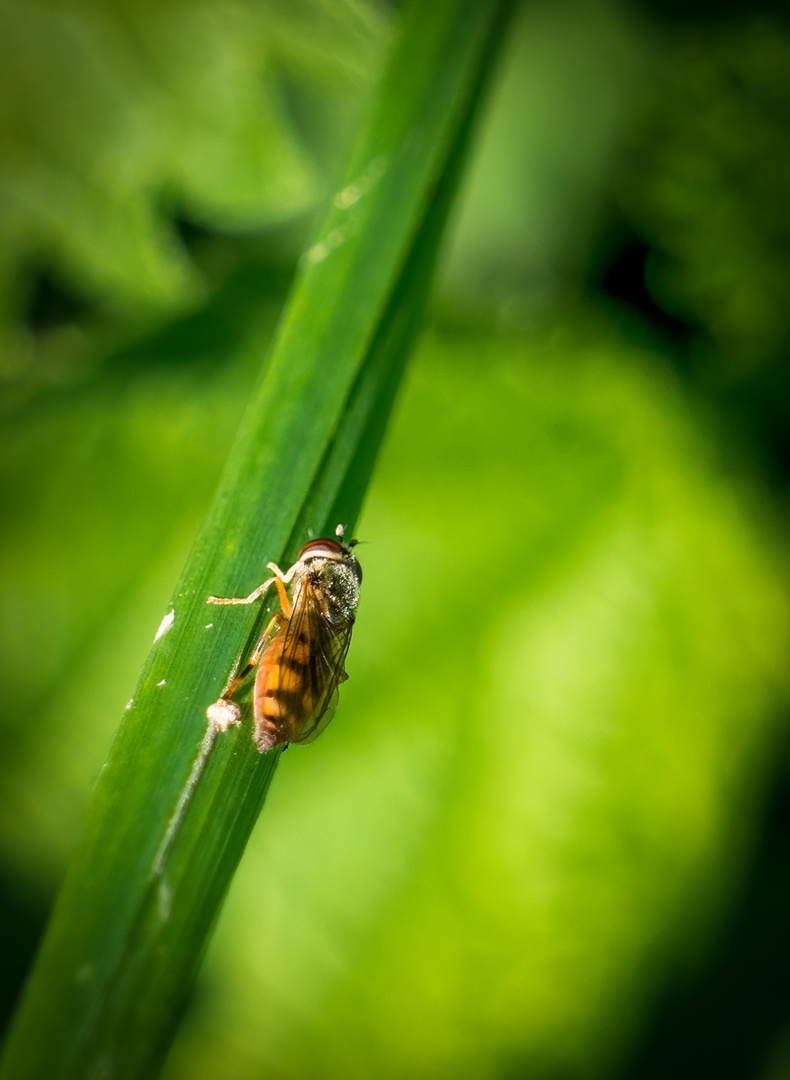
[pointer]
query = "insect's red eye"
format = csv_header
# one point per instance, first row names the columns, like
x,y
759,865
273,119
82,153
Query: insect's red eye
x,y
321,547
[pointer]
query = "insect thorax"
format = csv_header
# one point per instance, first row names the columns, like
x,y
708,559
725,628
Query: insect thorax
x,y
338,583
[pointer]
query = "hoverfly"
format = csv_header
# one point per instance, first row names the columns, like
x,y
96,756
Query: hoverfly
x,y
300,665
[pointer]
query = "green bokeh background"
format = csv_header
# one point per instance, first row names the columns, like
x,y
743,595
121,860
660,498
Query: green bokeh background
x,y
546,834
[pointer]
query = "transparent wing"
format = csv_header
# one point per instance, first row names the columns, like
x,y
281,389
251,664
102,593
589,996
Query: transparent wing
x,y
312,666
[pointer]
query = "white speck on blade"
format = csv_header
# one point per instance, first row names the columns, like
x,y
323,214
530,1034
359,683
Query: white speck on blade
x,y
351,195
163,901
347,197
318,252
162,683
222,714
209,625
165,624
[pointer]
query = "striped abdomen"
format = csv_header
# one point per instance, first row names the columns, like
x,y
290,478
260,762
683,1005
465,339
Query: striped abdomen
x,y
287,692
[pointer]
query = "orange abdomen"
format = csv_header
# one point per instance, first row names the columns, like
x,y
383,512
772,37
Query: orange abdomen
x,y
283,696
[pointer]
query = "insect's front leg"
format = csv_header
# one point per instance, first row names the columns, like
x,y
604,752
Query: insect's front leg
x,y
243,599
278,572
281,580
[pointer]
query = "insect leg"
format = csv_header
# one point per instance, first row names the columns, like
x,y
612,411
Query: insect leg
x,y
242,599
224,712
256,655
285,603
281,580
279,574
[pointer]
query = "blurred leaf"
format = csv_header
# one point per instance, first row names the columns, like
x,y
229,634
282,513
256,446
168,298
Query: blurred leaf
x,y
114,114
706,183
538,177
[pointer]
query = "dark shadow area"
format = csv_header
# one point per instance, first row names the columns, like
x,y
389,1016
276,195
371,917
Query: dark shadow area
x,y
754,401
51,303
23,915
622,280
702,12
732,1021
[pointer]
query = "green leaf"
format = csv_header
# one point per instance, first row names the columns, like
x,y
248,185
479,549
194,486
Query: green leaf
x,y
112,114
168,825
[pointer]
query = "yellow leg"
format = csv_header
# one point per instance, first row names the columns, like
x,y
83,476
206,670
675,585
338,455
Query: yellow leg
x,y
256,655
279,578
243,599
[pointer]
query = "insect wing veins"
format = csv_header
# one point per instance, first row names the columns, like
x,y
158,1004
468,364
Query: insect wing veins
x,y
326,651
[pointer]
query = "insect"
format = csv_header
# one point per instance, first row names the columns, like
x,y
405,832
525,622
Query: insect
x,y
300,665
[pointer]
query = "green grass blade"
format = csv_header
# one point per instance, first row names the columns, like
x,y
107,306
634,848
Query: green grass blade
x,y
168,825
